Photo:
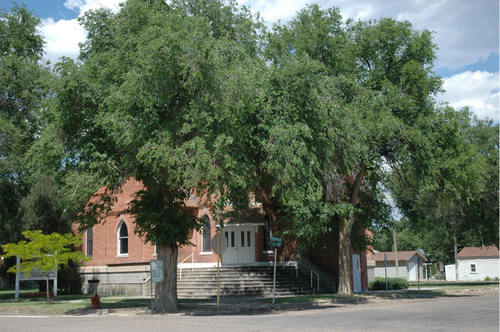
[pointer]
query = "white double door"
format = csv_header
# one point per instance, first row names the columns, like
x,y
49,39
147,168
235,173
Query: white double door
x,y
238,245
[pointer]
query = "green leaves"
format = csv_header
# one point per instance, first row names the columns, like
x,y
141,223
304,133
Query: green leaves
x,y
44,252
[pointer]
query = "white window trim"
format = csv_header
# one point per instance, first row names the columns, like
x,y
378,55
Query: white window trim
x,y
205,253
470,268
118,246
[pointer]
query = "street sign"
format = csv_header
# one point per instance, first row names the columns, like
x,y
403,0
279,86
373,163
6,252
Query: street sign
x,y
275,242
157,270
385,259
419,261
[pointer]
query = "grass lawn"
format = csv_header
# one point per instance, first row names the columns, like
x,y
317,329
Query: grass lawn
x,y
360,298
61,305
315,297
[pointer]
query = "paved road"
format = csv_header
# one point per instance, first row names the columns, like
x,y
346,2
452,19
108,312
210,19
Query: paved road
x,y
473,313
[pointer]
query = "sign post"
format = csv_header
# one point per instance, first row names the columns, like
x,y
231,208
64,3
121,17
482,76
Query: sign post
x,y
419,261
385,267
156,275
218,267
275,242
18,262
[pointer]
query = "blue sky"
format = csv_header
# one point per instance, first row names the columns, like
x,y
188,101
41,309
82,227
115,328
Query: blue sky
x,y
46,8
466,33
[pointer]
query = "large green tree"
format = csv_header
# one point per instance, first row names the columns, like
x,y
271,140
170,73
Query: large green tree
x,y
452,206
380,99
147,100
24,81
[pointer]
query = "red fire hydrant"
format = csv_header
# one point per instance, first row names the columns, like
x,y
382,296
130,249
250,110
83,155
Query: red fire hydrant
x,y
96,303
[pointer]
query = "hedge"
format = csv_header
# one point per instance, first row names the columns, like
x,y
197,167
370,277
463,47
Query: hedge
x,y
392,283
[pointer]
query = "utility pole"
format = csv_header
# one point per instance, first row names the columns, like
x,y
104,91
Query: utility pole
x,y
455,253
218,266
395,247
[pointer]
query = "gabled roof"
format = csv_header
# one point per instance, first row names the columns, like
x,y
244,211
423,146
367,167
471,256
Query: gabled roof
x,y
402,255
490,251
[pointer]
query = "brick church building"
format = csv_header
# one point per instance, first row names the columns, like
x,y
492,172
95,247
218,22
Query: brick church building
x,y
120,259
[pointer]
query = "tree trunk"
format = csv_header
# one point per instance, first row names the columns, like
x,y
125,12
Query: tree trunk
x,y
166,291
345,226
47,290
345,281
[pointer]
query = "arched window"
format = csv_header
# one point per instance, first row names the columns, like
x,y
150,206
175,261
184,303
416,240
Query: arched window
x,y
90,242
122,237
207,245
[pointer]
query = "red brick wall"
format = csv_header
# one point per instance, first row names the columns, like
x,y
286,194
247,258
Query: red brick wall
x,y
105,236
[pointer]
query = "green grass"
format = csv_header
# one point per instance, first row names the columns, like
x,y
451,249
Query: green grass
x,y
41,307
319,297
359,298
65,304
9,295
410,294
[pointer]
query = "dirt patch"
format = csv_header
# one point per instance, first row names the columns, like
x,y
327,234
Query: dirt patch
x,y
478,291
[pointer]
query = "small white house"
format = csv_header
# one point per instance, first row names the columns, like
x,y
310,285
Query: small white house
x,y
407,265
475,263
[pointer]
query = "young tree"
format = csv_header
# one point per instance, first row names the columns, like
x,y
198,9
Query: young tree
x,y
146,101
44,252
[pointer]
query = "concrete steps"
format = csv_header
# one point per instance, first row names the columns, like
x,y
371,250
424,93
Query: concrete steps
x,y
254,281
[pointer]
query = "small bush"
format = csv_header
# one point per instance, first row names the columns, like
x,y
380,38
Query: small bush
x,y
392,283
487,279
496,279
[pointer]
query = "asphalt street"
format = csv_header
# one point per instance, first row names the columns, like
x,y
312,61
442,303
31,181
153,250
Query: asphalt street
x,y
461,313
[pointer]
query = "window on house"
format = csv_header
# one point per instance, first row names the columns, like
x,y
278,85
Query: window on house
x,y
90,242
206,230
122,239
473,268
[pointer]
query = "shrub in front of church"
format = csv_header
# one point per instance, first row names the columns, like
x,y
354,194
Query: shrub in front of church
x,y
392,283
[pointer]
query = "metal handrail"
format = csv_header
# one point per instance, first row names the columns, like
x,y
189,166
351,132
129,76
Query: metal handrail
x,y
312,272
185,259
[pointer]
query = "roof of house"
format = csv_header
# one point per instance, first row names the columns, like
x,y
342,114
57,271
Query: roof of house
x,y
402,255
490,251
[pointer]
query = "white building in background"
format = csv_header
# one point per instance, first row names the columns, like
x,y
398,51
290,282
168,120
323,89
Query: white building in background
x,y
475,263
407,265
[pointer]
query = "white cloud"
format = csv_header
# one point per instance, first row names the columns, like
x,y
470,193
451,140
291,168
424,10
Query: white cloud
x,y
85,5
62,38
479,90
